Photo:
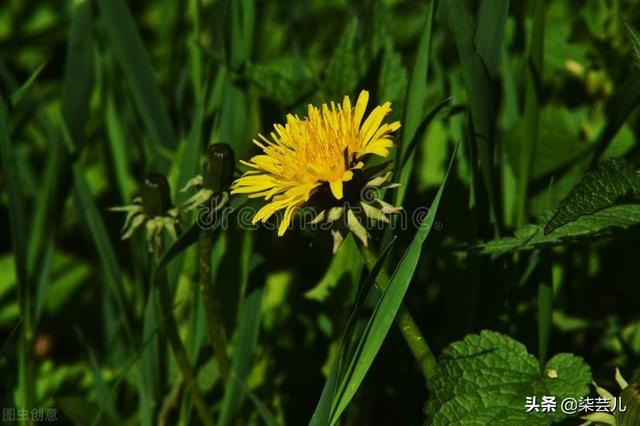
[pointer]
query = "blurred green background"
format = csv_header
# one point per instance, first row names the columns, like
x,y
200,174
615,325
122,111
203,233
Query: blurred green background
x,y
534,92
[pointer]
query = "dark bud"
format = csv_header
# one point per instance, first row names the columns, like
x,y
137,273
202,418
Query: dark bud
x,y
220,169
156,199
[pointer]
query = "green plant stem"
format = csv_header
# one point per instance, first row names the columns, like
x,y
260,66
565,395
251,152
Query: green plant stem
x,y
214,325
180,353
408,327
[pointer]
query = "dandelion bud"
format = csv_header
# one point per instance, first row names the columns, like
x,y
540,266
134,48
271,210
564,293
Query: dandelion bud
x,y
220,168
155,195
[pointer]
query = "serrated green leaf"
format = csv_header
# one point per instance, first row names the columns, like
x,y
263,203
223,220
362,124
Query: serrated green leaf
x,y
598,189
486,378
597,225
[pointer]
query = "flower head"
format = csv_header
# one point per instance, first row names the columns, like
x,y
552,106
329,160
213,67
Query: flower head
x,y
324,148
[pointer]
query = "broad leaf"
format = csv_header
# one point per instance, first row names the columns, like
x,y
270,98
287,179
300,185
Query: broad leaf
x,y
487,377
598,189
597,225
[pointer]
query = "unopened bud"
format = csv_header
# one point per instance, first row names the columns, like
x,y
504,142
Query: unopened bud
x,y
220,168
156,199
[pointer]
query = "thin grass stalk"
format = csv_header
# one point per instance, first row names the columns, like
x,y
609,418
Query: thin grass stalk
x,y
178,349
215,329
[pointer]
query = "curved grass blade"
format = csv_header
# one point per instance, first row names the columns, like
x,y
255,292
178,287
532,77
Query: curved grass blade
x,y
322,412
385,312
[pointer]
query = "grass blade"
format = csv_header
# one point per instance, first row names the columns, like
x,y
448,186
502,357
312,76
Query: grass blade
x,y
78,72
492,16
479,93
531,111
385,311
106,252
414,103
26,390
21,91
118,149
244,347
135,62
350,340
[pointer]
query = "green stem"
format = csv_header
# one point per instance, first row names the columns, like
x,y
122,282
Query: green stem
x,y
214,325
180,353
408,327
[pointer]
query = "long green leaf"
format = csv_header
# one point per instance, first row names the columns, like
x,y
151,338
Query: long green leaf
x,y
385,311
16,203
350,341
78,72
26,383
479,94
492,16
531,111
118,148
134,60
244,346
414,103
102,242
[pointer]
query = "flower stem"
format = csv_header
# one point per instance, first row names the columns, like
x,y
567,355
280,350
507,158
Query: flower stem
x,y
214,325
180,353
408,327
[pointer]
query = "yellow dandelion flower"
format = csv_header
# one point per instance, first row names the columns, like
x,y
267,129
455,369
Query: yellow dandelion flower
x,y
323,148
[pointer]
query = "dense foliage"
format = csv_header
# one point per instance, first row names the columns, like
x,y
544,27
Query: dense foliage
x,y
519,132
